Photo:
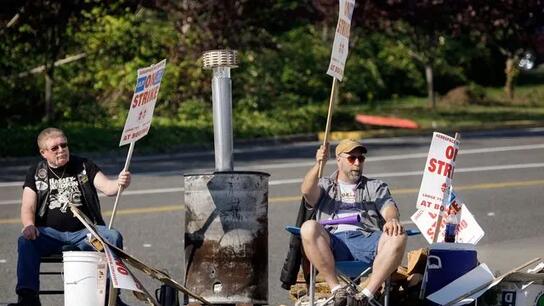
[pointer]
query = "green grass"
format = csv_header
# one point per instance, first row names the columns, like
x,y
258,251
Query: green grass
x,y
526,108
168,134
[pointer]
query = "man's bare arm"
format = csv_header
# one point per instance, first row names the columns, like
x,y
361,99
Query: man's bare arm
x,y
310,188
28,213
392,224
110,187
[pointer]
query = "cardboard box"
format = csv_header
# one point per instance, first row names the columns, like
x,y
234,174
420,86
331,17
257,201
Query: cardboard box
x,y
522,289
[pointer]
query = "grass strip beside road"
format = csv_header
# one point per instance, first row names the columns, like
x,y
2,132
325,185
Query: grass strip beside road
x,y
181,207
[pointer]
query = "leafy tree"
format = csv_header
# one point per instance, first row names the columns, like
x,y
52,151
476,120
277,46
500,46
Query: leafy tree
x,y
45,29
422,27
507,25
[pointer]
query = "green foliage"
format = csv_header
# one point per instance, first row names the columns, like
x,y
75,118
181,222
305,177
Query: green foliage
x,y
378,68
279,88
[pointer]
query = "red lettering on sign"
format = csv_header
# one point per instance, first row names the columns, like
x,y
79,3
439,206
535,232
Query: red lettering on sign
x,y
425,203
135,101
448,170
348,8
451,153
455,207
120,267
145,97
440,167
343,28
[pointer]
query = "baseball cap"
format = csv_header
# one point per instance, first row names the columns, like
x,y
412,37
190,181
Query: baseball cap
x,y
348,145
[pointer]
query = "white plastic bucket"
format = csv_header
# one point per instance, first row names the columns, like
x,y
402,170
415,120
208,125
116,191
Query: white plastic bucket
x,y
84,278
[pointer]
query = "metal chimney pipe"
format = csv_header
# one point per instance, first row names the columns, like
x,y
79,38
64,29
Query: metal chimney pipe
x,y
221,61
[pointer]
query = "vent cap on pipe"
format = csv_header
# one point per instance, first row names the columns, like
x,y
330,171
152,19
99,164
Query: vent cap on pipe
x,y
220,58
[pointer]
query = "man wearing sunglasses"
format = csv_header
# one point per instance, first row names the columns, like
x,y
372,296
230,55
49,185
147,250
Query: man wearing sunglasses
x,y
51,185
376,237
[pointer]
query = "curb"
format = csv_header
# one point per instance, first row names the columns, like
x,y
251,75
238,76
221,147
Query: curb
x,y
392,132
119,156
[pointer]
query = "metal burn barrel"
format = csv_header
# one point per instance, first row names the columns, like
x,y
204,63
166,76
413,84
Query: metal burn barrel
x,y
226,236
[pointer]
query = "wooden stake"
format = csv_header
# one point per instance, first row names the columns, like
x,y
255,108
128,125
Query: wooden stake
x,y
127,164
444,200
329,121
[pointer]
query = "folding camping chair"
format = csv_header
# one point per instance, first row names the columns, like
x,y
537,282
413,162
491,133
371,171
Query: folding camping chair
x,y
350,271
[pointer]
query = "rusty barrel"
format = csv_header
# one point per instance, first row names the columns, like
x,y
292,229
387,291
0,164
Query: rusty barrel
x,y
226,236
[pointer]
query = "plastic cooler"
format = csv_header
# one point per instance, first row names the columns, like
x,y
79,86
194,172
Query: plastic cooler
x,y
447,262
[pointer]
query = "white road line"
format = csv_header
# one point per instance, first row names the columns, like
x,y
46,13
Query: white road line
x,y
305,163
299,180
402,156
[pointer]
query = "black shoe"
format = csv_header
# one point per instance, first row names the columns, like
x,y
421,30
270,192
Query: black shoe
x,y
27,297
342,295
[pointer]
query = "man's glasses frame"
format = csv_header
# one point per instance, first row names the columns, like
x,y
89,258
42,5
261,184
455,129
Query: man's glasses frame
x,y
351,158
55,148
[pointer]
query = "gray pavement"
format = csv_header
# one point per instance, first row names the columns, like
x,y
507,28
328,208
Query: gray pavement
x,y
499,174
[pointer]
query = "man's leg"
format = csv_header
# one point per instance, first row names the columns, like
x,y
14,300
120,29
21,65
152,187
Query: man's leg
x,y
48,242
29,254
111,235
79,238
388,258
316,243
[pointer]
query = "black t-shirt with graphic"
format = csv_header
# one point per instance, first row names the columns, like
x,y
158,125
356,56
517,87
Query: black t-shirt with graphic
x,y
64,189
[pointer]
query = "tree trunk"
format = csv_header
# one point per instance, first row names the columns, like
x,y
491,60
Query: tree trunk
x,y
48,97
511,72
430,85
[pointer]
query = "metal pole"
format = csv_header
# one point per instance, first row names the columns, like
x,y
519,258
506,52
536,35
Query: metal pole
x,y
221,61
222,118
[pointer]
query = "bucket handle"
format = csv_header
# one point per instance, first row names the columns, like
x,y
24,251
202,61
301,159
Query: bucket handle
x,y
434,265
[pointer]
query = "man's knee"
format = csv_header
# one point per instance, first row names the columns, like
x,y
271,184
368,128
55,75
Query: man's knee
x,y
115,237
398,242
393,243
310,229
25,245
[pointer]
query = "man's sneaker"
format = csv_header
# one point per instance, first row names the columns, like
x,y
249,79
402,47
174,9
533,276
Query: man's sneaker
x,y
358,300
341,296
27,297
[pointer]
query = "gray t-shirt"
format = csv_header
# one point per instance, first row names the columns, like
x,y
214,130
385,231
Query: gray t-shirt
x,y
372,196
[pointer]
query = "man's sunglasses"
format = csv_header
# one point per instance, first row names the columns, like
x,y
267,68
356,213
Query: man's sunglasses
x,y
351,158
55,148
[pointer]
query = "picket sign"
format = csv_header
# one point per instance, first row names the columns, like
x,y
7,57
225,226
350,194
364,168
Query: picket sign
x,y
140,114
340,46
468,230
437,201
339,55
138,123
102,245
142,106
438,173
120,275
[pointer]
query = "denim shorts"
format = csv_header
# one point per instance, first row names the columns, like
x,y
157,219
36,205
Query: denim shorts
x,y
353,245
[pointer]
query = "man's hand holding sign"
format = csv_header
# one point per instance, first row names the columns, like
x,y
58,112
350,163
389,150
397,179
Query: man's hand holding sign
x,y
138,123
338,61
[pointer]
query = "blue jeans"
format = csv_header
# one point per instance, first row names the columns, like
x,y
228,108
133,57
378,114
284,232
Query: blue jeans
x,y
51,241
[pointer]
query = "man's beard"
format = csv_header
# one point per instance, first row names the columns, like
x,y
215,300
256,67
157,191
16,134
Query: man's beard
x,y
354,175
